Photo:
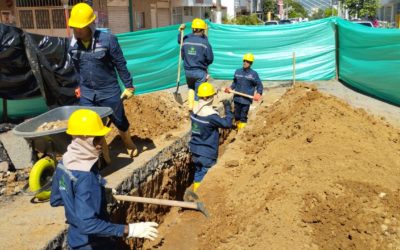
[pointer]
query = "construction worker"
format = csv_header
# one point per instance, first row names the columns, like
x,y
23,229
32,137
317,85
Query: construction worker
x,y
97,57
205,135
78,186
197,55
247,81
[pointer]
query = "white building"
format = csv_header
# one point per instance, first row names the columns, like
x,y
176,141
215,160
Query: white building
x,y
390,12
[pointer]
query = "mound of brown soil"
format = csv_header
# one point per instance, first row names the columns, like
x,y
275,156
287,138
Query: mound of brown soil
x,y
307,172
153,115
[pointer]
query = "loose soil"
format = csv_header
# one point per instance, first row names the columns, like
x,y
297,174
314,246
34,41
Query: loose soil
x,y
308,172
152,115
52,125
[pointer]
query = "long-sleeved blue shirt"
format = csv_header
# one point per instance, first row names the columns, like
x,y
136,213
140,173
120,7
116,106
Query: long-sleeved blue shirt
x,y
197,52
97,66
246,81
205,134
83,196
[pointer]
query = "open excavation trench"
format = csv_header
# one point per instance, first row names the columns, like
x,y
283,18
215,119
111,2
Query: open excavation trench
x,y
164,176
308,172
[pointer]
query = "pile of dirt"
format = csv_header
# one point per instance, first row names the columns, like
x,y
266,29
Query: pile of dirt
x,y
153,115
59,124
307,172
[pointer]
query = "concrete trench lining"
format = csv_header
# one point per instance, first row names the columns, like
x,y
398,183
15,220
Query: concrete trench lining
x,y
164,176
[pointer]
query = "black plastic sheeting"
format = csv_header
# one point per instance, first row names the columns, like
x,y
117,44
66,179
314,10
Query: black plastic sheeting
x,y
16,77
32,64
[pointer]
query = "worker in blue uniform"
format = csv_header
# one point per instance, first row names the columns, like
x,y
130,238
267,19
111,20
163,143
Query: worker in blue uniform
x,y
246,81
204,141
197,55
97,57
78,186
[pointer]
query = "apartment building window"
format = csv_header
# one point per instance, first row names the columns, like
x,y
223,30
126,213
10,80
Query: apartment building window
x,y
58,18
140,16
187,11
26,19
177,13
42,19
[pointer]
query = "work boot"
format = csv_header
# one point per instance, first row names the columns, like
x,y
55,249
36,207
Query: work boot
x,y
190,99
196,185
105,151
241,125
130,146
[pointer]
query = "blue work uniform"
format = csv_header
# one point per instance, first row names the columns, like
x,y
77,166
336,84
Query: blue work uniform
x,y
246,81
97,67
205,141
197,55
83,196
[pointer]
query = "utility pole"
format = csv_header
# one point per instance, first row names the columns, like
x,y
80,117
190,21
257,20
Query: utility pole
x,y
66,13
218,13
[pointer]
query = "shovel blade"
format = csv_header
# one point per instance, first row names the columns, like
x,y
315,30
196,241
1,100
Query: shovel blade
x,y
178,98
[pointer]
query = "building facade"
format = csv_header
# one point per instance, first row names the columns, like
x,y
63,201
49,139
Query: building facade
x,y
390,12
46,17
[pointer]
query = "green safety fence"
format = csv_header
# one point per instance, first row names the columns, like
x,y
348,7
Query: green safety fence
x,y
369,60
152,55
273,46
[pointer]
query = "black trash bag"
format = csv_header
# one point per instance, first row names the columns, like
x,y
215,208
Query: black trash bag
x,y
53,68
17,81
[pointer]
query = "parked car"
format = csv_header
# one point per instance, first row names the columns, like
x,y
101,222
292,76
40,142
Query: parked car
x,y
365,23
285,21
271,23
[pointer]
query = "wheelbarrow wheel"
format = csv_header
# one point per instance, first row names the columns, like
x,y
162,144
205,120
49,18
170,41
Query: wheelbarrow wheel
x,y
40,176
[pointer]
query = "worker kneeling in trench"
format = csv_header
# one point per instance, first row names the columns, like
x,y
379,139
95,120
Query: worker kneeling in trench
x,y
205,135
78,186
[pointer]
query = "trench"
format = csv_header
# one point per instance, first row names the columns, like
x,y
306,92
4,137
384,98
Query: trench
x,y
164,176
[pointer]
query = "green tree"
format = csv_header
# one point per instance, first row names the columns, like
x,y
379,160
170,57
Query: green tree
x,y
318,15
296,10
247,20
362,8
270,6
328,12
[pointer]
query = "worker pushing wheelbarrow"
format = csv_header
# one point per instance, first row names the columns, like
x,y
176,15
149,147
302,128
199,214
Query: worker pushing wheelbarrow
x,y
49,144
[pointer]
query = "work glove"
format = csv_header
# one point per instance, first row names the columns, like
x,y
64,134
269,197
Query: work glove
x,y
182,27
228,90
78,92
207,77
128,93
257,97
146,230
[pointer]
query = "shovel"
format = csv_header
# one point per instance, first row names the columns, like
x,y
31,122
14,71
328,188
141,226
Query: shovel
x,y
177,95
199,206
241,94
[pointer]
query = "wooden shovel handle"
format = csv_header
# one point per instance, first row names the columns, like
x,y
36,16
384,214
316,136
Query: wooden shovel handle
x,y
172,203
241,94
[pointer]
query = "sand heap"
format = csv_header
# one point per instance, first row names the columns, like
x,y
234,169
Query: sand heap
x,y
307,172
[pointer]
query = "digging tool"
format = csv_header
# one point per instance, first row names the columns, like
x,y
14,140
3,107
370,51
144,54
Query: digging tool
x,y
177,95
241,94
199,206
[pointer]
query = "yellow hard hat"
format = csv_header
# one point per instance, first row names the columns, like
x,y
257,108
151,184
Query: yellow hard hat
x,y
86,122
81,16
248,57
198,23
206,89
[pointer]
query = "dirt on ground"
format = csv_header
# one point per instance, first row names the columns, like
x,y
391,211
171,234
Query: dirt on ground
x,y
308,172
152,115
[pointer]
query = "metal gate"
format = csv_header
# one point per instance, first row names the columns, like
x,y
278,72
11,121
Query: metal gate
x,y
46,17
